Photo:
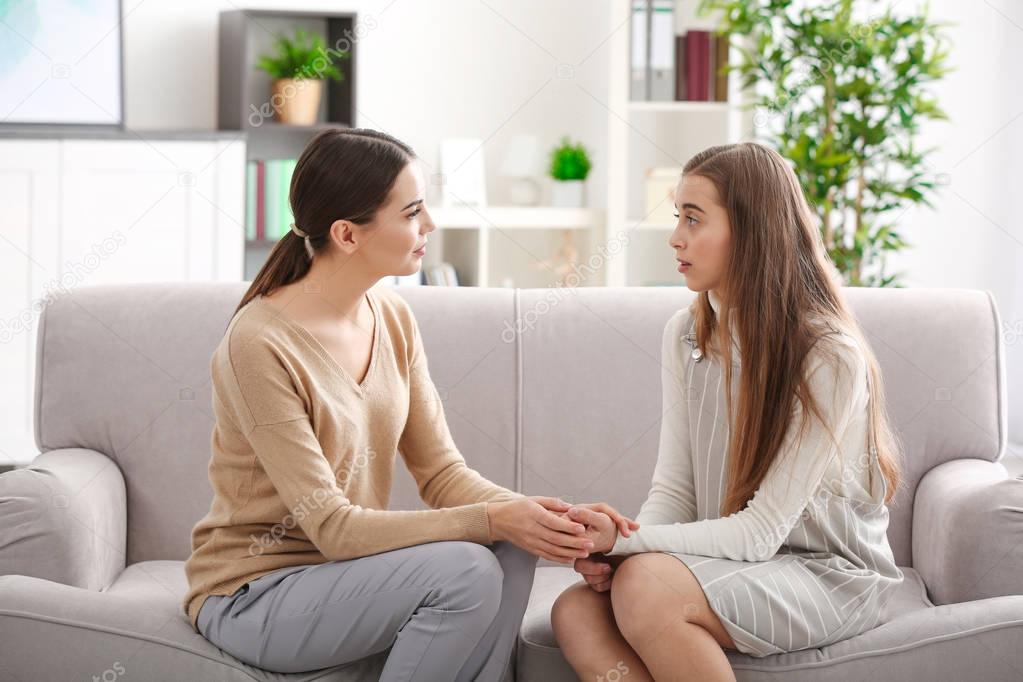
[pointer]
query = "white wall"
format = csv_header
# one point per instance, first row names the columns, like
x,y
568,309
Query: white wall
x,y
469,68
974,236
425,71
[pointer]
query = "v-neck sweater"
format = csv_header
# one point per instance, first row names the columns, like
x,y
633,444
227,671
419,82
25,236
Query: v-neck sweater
x,y
303,455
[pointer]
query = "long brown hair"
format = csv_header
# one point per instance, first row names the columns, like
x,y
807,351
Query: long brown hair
x,y
777,311
343,173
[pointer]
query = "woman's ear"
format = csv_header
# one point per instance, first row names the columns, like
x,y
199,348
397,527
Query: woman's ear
x,y
343,234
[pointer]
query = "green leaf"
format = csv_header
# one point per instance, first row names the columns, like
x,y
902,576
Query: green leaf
x,y
569,161
303,56
856,113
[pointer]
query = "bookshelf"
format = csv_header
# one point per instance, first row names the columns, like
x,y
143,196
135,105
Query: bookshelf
x,y
644,134
498,245
244,94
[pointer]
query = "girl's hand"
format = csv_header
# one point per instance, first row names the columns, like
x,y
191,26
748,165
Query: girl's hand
x,y
624,523
600,528
598,570
529,524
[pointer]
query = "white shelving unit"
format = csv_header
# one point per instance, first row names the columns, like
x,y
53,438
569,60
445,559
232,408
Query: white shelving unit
x,y
644,134
470,237
516,217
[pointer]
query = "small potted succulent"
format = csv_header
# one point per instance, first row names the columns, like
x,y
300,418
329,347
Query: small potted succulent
x,y
570,164
298,70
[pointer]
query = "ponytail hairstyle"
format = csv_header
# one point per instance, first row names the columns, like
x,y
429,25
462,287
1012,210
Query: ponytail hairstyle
x,y
342,174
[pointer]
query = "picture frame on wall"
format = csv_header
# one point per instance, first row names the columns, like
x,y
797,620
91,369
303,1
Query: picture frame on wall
x,y
62,64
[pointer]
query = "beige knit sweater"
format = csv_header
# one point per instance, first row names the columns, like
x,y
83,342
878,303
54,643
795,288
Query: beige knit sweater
x,y
303,456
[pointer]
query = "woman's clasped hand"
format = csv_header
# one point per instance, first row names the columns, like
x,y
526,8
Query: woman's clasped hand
x,y
564,533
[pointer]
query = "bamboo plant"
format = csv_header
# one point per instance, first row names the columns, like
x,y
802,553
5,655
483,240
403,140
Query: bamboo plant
x,y
841,90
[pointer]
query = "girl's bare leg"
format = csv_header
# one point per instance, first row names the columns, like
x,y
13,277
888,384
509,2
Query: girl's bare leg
x,y
585,627
663,613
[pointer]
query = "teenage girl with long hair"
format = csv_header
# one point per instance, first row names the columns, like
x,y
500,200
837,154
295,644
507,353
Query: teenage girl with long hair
x,y
765,527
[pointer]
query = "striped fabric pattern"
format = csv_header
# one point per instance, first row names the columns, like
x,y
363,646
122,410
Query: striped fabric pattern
x,y
833,574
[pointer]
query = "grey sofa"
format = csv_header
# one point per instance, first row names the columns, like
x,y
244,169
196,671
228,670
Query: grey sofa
x,y
547,392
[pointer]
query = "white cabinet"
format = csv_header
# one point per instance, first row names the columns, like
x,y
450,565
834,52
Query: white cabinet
x,y
28,190
79,212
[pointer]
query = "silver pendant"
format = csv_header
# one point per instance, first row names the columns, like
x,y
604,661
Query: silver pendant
x,y
696,354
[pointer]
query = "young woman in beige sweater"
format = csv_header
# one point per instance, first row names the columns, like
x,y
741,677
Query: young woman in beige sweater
x,y
319,380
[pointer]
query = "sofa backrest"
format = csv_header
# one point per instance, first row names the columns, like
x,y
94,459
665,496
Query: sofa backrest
x,y
546,391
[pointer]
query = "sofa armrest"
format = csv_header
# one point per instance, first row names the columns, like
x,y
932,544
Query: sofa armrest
x,y
64,518
968,531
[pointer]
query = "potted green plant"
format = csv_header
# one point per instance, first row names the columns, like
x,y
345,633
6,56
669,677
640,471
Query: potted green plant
x,y
570,164
298,69
841,90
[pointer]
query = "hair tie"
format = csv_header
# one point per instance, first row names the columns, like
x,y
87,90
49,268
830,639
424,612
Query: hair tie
x,y
308,243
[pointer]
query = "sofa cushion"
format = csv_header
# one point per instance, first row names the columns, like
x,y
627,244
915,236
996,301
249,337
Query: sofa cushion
x,y
133,630
979,641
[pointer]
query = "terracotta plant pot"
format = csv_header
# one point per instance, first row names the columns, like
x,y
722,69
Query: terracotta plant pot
x,y
296,101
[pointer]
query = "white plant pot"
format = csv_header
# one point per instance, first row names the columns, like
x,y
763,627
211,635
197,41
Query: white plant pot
x,y
568,193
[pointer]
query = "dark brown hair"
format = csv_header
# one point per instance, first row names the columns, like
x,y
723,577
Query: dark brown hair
x,y
342,174
778,313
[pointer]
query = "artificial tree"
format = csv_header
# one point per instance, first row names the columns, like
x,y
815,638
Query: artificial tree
x,y
841,89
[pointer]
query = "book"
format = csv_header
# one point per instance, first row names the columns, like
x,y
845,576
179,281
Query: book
x,y
721,45
442,274
271,207
699,59
680,69
698,66
653,50
250,201
287,168
276,205
260,201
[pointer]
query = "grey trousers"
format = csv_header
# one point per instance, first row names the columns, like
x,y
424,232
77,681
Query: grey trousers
x,y
447,610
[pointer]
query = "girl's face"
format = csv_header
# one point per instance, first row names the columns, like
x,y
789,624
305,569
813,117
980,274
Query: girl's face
x,y
395,241
703,234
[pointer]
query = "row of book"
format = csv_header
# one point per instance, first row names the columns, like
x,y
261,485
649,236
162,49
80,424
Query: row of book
x,y
268,214
699,56
670,62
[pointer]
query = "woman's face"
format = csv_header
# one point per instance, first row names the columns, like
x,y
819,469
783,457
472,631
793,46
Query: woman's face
x,y
395,241
703,234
